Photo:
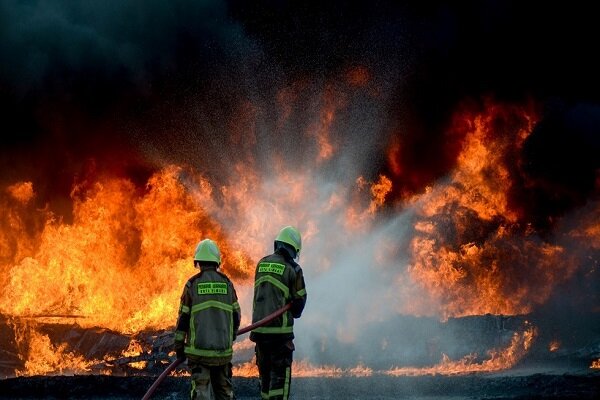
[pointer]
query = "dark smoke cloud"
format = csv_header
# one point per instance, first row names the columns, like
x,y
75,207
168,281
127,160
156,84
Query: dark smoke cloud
x,y
93,81
561,164
508,50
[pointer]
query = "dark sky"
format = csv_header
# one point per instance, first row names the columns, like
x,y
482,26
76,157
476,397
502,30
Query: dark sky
x,y
106,81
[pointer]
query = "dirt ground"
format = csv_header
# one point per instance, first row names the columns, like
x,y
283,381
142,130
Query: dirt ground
x,y
523,384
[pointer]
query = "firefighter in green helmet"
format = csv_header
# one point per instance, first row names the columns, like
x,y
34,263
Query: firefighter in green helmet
x,y
278,281
209,317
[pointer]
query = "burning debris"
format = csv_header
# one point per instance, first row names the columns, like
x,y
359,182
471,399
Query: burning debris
x,y
40,348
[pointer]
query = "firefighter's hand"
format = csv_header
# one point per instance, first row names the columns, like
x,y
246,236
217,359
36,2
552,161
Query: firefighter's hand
x,y
180,353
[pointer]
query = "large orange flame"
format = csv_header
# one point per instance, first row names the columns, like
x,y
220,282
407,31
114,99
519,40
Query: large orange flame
x,y
122,261
469,251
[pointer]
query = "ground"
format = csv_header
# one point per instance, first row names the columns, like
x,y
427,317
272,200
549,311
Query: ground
x,y
541,384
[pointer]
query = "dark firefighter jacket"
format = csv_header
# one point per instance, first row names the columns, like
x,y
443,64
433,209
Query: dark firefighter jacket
x,y
209,317
278,281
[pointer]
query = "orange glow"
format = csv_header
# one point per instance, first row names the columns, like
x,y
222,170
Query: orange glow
x,y
392,157
554,345
333,101
358,218
588,230
22,191
358,76
595,364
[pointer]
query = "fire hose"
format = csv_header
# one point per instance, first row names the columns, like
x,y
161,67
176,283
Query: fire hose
x,y
246,329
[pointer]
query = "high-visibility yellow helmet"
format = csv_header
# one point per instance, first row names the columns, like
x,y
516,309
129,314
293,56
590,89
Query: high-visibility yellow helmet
x,y
291,236
207,250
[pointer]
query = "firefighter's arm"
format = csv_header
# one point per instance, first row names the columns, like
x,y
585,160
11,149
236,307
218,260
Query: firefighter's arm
x,y
298,294
237,313
183,321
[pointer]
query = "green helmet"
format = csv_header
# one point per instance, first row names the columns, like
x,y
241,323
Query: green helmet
x,y
207,250
291,236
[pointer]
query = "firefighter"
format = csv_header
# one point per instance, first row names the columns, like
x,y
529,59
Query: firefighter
x,y
209,317
278,281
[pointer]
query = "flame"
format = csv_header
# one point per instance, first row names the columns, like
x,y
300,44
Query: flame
x,y
78,266
321,131
304,368
359,218
554,345
116,237
42,357
180,373
499,359
595,364
122,260
358,76
379,190
134,349
468,251
481,179
22,191
246,370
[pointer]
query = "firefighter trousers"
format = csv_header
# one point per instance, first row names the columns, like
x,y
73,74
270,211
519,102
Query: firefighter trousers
x,y
274,361
206,376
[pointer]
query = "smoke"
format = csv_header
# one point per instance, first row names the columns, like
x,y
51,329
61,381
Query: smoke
x,y
560,163
363,288
108,81
135,87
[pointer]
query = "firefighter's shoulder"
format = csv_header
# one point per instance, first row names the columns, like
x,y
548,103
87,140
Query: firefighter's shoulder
x,y
224,276
295,266
188,284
